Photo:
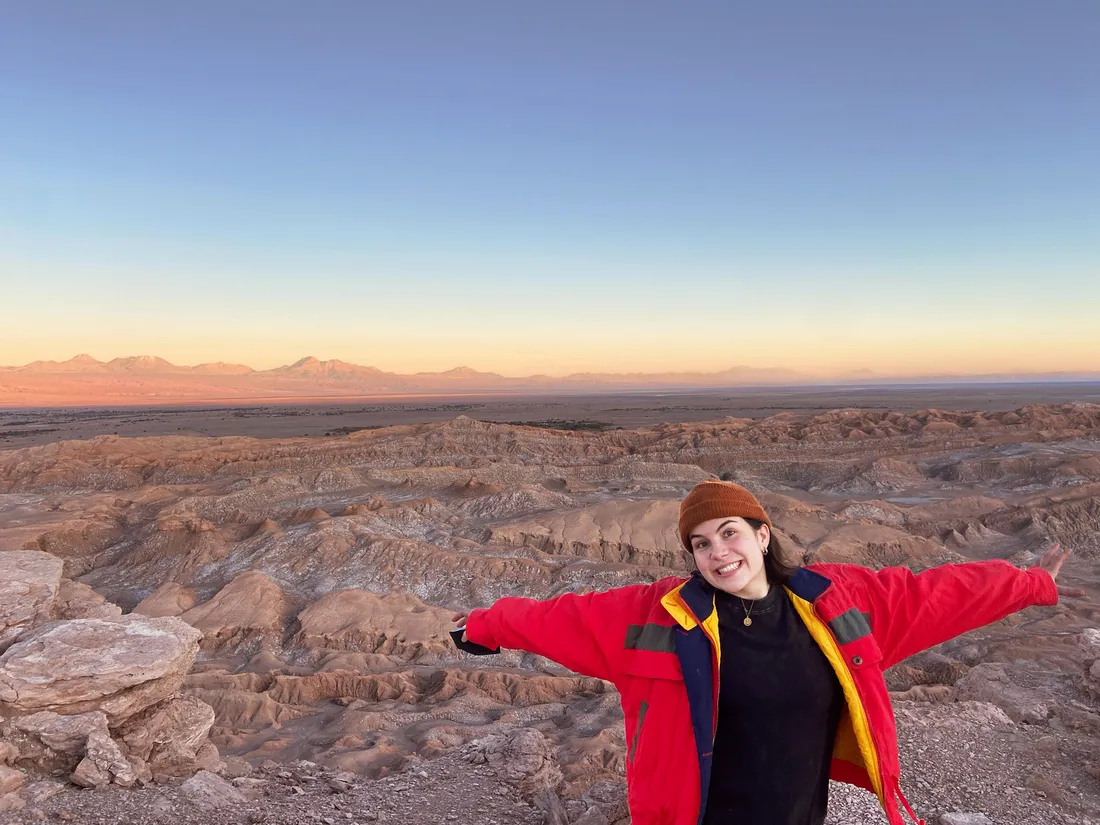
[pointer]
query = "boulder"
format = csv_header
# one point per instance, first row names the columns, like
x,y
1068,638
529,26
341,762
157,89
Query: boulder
x,y
29,583
522,758
108,761
89,775
553,812
210,791
1090,643
118,666
168,736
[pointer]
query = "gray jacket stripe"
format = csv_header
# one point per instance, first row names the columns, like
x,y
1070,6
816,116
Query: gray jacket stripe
x,y
851,625
653,637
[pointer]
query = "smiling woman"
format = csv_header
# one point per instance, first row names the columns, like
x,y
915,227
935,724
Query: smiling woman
x,y
749,685
735,554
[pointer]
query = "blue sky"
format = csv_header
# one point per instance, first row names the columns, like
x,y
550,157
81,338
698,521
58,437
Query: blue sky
x,y
550,187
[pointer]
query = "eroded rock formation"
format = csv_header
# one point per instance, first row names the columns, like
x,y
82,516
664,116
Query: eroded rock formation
x,y
94,697
321,575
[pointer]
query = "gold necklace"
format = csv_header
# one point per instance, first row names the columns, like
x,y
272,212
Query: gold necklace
x,y
748,621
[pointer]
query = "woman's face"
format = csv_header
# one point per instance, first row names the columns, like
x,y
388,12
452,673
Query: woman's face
x,y
730,555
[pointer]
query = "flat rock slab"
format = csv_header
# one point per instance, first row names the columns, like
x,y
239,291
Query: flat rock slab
x,y
119,666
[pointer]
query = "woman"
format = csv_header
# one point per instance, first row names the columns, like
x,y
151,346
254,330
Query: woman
x,y
747,686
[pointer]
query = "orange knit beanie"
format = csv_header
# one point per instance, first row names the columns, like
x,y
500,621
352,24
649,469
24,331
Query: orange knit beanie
x,y
716,499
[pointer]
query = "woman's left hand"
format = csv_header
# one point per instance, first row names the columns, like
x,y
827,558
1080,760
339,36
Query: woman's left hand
x,y
1052,562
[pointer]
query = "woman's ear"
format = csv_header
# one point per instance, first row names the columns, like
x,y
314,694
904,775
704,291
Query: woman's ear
x,y
765,535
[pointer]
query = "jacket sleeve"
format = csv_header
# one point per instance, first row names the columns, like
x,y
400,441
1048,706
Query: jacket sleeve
x,y
912,612
585,633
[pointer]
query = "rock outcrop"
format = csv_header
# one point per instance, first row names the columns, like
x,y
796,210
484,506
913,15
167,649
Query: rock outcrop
x,y
118,666
523,758
96,696
172,737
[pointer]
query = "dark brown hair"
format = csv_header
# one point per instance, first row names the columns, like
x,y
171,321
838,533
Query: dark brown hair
x,y
778,567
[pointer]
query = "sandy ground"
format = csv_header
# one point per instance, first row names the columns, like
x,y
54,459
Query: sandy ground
x,y
30,426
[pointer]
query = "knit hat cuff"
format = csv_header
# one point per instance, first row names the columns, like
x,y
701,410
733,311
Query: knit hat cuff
x,y
716,500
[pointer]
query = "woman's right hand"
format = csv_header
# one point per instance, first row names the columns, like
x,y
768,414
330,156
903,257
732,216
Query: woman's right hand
x,y
459,620
1052,562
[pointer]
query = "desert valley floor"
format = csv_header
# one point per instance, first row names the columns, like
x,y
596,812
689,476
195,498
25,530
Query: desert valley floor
x,y
321,550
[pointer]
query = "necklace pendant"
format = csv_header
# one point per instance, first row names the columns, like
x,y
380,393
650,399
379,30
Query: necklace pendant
x,y
748,622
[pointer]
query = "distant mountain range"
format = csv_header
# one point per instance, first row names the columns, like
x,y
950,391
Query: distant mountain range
x,y
148,379
313,369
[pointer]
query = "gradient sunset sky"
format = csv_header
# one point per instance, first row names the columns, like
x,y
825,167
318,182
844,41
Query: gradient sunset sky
x,y
553,187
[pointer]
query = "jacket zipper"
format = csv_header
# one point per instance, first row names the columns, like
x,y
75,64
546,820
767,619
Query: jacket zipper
x,y
863,705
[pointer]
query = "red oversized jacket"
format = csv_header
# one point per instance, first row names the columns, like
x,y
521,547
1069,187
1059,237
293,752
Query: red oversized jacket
x,y
659,645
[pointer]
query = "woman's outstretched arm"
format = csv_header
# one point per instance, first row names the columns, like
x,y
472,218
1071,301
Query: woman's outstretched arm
x,y
585,633
912,612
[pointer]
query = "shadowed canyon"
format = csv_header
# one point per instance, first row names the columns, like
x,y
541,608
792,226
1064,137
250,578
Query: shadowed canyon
x,y
322,573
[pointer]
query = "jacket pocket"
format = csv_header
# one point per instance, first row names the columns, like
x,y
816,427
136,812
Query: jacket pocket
x,y
862,653
648,664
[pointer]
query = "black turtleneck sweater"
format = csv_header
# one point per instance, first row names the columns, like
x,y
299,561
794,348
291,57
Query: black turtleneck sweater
x,y
779,703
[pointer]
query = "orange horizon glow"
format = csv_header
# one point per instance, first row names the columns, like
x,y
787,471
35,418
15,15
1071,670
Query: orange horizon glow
x,y
977,326
887,361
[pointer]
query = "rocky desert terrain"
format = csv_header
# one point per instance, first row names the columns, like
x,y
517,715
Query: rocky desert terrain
x,y
238,629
